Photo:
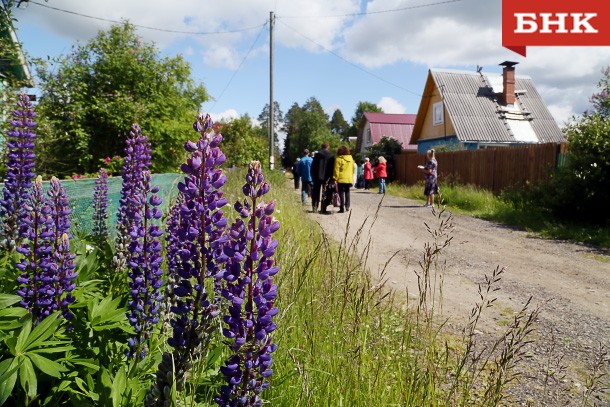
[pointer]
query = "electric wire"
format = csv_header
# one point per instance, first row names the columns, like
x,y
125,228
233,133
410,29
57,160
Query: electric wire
x,y
366,13
238,68
148,27
351,63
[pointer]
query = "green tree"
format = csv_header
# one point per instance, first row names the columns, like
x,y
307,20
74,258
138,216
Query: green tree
x,y
580,189
389,148
339,126
306,127
91,97
360,110
244,142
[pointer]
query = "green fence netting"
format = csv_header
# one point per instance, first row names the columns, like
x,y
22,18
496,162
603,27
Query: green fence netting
x,y
80,195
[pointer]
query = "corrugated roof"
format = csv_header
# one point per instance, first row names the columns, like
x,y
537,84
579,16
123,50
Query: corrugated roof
x,y
396,126
471,102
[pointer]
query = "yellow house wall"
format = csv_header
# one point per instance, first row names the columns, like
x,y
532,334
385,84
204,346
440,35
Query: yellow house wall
x,y
430,130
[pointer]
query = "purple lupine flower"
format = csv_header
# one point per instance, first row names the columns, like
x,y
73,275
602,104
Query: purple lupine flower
x,y
145,265
100,205
137,160
20,165
251,294
200,230
64,271
196,235
37,232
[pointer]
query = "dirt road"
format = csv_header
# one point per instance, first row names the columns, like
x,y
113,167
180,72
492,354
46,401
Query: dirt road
x,y
570,283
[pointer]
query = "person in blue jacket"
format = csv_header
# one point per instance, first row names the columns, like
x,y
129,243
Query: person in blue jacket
x,y
305,174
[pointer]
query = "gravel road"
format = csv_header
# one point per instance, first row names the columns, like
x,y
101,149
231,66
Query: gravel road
x,y
569,282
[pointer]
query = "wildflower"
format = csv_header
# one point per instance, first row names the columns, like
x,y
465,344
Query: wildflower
x,y
196,235
20,166
251,294
137,160
100,205
144,265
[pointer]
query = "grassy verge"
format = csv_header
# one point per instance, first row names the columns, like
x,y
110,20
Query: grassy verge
x,y
345,340
510,209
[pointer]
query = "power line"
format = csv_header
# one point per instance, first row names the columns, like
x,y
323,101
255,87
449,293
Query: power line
x,y
366,13
239,67
351,63
147,27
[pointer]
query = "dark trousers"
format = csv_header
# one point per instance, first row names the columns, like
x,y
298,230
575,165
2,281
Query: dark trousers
x,y
315,193
327,195
296,181
344,195
367,183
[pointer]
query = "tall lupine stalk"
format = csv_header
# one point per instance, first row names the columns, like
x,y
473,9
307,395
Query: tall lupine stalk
x,y
145,265
137,160
251,294
196,238
20,165
62,258
100,205
47,265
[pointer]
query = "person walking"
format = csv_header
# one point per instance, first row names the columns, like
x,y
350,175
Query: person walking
x,y
431,174
295,173
305,175
360,175
343,175
368,173
381,171
321,173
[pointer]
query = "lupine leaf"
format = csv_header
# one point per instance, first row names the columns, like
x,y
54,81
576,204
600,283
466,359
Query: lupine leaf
x,y
47,366
27,378
42,332
6,300
118,387
8,378
23,334
106,314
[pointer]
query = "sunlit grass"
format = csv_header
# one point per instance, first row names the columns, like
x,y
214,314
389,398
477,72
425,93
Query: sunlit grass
x,y
511,209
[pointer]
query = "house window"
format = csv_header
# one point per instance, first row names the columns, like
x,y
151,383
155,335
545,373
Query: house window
x,y
369,140
438,116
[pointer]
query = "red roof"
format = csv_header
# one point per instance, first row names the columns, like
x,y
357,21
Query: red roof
x,y
396,126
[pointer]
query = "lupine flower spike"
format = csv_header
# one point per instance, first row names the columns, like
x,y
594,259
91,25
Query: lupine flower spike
x,y
251,295
100,205
137,160
63,259
145,265
196,235
47,265
20,166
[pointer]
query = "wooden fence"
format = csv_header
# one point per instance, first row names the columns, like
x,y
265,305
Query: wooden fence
x,y
494,169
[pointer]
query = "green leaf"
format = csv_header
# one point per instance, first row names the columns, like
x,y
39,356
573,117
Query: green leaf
x,y
118,387
6,300
23,335
47,366
89,363
106,314
43,331
27,377
8,378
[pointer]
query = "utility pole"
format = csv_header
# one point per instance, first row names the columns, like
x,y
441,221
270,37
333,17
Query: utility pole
x,y
271,113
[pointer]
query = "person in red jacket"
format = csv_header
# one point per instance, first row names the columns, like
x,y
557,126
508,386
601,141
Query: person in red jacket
x,y
381,173
368,173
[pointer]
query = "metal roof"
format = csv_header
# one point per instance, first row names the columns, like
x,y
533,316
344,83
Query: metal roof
x,y
396,126
471,100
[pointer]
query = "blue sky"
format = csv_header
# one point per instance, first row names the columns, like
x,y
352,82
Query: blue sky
x,y
340,51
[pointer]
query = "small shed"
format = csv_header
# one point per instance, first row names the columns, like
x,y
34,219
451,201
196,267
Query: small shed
x,y
374,126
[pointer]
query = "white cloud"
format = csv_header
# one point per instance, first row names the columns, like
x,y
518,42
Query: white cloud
x,y
227,115
390,105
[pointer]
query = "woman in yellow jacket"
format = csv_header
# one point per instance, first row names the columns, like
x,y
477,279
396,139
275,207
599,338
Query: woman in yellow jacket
x,y
343,175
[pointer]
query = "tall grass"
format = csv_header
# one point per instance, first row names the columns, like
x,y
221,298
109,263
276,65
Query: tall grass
x,y
346,340
514,208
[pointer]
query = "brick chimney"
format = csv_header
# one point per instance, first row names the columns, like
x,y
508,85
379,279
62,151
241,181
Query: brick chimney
x,y
508,82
